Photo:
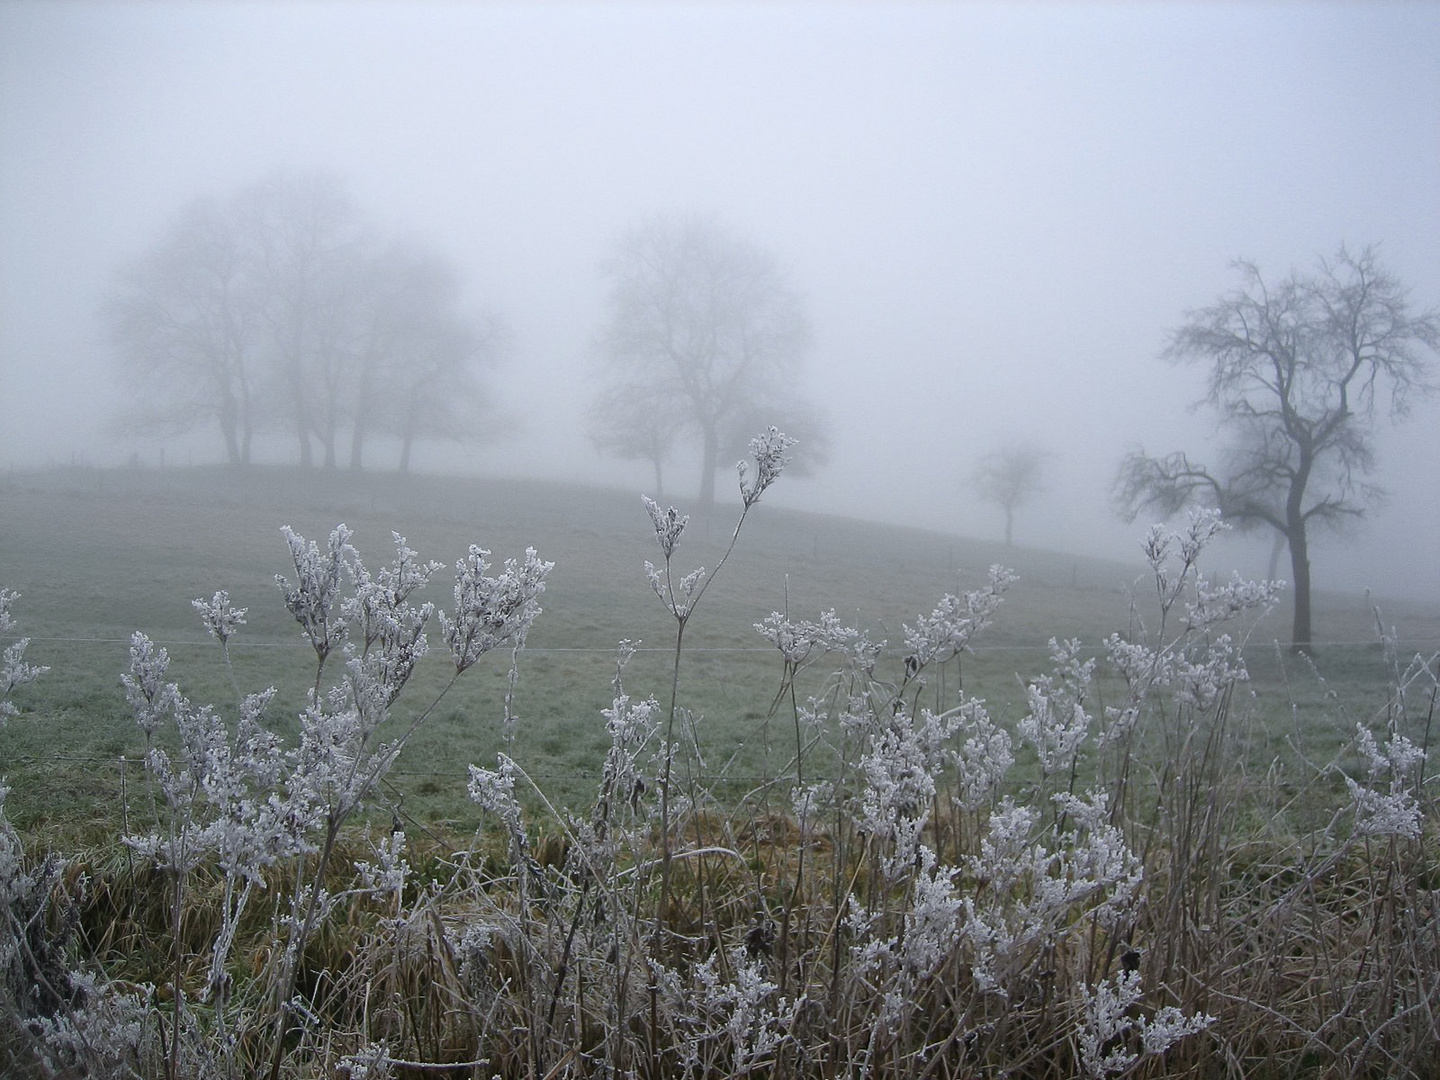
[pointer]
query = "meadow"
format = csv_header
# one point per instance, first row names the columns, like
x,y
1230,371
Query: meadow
x,y
738,920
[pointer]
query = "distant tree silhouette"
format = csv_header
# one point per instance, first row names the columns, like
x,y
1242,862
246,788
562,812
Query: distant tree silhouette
x,y
702,333
280,307
1009,478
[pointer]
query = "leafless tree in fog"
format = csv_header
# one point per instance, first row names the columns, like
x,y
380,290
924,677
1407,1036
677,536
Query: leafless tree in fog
x,y
420,360
185,320
704,325
282,308
1301,371
635,422
1009,478
308,242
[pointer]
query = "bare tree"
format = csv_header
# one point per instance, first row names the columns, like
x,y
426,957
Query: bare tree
x,y
705,325
419,370
635,422
307,240
1009,478
183,319
280,307
1300,372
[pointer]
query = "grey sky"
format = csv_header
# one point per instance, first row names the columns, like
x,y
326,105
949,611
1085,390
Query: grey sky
x,y
994,211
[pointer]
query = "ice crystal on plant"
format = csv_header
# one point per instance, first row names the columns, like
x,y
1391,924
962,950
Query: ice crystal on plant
x,y
755,1027
1387,813
771,453
1058,724
1109,1014
220,618
371,1062
669,525
389,872
983,758
946,632
494,790
14,671
108,1033
314,599
150,698
800,639
492,611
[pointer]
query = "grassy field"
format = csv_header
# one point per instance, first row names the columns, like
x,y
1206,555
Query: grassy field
x,y
1231,883
99,554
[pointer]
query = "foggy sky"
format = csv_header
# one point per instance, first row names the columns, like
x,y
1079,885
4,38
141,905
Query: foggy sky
x,y
994,212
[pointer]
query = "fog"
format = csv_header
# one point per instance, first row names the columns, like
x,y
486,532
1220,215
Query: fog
x,y
994,212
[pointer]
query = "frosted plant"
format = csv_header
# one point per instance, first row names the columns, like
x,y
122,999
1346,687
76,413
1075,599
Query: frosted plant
x,y
1030,894
1196,660
743,1004
900,765
222,801
389,873
899,964
1058,724
669,525
494,790
390,629
632,725
14,671
946,632
1213,604
371,1062
801,640
983,758
771,453
107,1033
492,611
1387,813
1094,860
769,450
147,693
314,599
7,621
1108,1016
220,618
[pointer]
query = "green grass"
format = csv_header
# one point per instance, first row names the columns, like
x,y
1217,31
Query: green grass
x,y
98,554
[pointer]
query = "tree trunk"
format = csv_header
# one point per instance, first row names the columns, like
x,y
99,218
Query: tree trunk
x,y
228,430
1009,527
357,444
1300,635
1275,551
659,487
707,469
405,444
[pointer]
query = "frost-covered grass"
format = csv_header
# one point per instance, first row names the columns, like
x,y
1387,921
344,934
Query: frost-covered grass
x,y
970,850
98,555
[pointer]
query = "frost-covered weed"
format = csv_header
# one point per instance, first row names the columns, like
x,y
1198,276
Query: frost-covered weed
x,y
14,671
964,891
1395,812
1113,1035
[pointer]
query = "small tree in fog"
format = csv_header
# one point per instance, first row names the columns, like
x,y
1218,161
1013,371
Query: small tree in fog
x,y
703,324
635,423
1009,478
1300,371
